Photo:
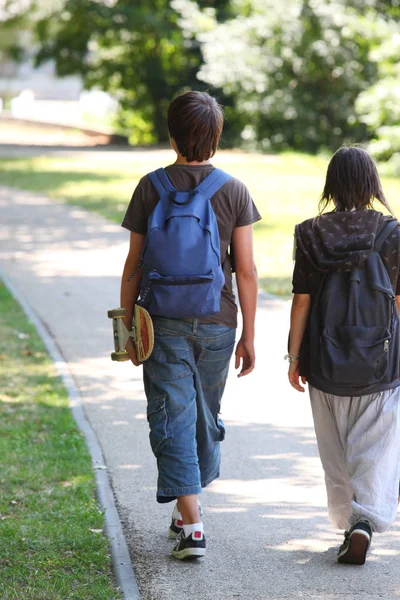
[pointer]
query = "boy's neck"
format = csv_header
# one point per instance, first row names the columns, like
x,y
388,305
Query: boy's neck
x,y
181,160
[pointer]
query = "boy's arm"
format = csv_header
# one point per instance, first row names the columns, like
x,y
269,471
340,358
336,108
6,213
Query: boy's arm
x,y
130,289
247,284
298,320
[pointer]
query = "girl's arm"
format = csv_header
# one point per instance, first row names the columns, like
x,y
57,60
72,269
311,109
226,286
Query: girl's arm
x,y
130,289
247,284
298,320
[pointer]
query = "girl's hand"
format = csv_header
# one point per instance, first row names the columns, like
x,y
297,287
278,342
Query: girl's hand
x,y
245,356
294,376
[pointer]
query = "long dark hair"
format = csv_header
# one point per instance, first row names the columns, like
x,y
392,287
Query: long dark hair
x,y
352,181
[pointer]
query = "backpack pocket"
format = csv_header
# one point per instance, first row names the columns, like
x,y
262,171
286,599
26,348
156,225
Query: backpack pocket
x,y
354,355
183,296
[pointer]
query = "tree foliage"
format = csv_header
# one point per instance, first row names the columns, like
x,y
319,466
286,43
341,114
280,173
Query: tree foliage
x,y
305,74
379,106
13,21
137,51
295,69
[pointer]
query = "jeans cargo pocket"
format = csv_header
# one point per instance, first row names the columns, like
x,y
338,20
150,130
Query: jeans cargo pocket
x,y
157,417
220,429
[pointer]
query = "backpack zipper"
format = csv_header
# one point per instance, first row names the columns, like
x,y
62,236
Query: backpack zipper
x,y
387,342
201,282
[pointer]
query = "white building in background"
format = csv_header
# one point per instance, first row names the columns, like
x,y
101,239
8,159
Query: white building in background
x,y
43,82
39,95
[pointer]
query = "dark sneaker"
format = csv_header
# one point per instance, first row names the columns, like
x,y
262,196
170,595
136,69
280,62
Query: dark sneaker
x,y
175,528
356,543
190,547
177,524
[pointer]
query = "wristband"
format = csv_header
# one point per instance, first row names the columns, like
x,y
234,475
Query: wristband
x,y
292,357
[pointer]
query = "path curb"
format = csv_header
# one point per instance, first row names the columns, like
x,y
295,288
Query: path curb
x,y
122,565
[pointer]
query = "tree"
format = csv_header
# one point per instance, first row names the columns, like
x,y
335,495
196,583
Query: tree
x,y
379,106
137,51
13,20
296,73
16,25
295,69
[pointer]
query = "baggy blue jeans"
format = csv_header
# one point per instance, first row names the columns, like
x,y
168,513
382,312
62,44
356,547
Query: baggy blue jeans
x,y
184,380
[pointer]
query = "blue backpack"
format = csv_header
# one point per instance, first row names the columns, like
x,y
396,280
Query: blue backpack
x,y
354,328
182,275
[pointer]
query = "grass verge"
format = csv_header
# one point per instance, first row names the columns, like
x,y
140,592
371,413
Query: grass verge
x,y
52,545
285,187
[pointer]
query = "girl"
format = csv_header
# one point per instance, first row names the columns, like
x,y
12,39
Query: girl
x,y
357,428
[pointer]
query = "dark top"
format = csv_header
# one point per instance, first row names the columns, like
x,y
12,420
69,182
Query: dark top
x,y
339,241
232,205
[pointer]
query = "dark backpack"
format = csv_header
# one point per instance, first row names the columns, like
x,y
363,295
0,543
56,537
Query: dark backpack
x,y
354,328
182,275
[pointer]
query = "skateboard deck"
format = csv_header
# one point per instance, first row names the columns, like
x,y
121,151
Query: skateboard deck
x,y
142,333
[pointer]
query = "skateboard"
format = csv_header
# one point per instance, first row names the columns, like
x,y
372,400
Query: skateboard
x,y
142,333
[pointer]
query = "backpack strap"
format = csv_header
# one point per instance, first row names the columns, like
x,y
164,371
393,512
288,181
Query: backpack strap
x,y
161,182
213,182
208,187
384,233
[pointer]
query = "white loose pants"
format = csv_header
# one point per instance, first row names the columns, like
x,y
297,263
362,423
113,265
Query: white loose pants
x,y
359,446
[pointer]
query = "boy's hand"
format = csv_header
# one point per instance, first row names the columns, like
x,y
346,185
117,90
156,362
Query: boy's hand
x,y
245,356
294,376
131,350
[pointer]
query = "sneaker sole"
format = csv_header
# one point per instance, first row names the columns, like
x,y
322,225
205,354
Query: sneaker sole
x,y
357,549
189,553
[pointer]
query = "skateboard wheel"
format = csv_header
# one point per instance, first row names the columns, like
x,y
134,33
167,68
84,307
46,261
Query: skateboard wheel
x,y
116,313
119,356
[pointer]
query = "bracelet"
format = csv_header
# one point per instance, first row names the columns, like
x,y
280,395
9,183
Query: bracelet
x,y
292,357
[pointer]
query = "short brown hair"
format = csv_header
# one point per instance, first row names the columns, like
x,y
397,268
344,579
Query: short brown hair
x,y
352,181
195,121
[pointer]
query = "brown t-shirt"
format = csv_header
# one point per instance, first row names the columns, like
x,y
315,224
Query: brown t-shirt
x,y
232,205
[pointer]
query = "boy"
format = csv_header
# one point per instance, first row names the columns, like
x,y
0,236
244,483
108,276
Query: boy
x,y
185,376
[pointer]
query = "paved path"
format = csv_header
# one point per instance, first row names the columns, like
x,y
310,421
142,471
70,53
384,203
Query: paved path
x,y
265,518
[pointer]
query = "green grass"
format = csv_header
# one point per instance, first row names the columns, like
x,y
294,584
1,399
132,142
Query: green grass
x,y
285,187
51,541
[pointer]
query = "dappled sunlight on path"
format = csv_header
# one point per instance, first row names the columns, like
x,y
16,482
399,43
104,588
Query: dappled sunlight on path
x,y
265,517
